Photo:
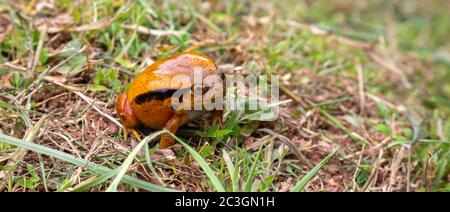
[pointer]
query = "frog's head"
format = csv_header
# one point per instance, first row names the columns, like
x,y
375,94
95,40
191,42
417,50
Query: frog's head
x,y
125,112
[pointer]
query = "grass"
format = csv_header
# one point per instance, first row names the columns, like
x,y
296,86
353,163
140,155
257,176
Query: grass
x,y
80,162
371,80
301,184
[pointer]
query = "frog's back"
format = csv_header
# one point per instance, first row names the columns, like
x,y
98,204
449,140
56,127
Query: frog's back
x,y
168,73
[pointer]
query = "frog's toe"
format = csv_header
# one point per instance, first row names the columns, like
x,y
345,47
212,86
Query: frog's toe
x,y
132,131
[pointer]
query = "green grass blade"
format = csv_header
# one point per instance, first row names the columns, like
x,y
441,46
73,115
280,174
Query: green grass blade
x,y
208,171
355,136
202,18
248,183
79,162
96,181
129,160
148,8
44,177
232,171
305,180
148,159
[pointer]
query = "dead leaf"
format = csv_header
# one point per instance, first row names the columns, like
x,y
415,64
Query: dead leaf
x,y
153,32
93,26
64,25
55,24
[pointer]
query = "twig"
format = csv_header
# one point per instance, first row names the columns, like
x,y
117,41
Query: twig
x,y
408,171
87,27
56,82
362,97
155,32
13,66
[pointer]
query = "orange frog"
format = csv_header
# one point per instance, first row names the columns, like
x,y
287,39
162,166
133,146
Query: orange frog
x,y
149,97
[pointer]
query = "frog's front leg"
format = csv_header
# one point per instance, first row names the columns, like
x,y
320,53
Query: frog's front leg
x,y
172,125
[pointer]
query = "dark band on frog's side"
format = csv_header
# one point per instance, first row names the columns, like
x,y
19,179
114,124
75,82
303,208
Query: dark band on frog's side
x,y
156,95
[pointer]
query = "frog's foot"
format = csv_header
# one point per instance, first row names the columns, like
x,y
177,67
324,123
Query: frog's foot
x,y
132,131
136,134
172,126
